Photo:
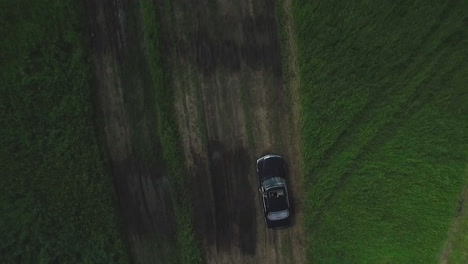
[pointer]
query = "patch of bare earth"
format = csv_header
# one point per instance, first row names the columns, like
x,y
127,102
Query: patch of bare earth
x,y
232,106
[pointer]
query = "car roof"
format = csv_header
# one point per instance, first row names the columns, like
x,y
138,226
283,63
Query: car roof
x,y
277,199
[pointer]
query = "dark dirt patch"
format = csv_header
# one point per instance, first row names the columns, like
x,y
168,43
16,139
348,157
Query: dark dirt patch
x,y
235,215
256,50
144,195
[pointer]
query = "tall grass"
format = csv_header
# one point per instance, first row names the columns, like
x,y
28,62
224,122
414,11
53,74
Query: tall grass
x,y
385,126
56,197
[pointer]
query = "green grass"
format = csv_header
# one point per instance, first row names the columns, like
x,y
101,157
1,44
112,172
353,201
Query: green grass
x,y
56,197
189,248
385,126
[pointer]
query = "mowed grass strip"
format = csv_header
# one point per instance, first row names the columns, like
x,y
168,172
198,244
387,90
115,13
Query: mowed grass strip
x,y
189,248
56,197
456,246
385,126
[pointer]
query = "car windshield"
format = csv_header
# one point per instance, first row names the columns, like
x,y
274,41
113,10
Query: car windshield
x,y
278,215
273,182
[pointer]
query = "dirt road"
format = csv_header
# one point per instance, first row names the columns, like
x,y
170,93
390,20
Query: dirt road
x,y
232,106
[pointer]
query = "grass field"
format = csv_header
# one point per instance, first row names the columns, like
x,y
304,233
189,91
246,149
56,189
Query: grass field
x,y
385,126
56,196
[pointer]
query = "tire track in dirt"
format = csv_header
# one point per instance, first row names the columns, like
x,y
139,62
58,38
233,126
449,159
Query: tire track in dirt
x,y
232,106
128,123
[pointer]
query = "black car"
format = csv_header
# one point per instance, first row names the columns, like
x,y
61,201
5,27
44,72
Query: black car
x,y
271,170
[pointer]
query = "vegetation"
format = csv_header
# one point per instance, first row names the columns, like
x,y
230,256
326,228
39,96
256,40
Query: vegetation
x,y
56,196
385,126
189,249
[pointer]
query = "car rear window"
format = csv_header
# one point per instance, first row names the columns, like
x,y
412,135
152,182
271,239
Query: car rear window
x,y
278,215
